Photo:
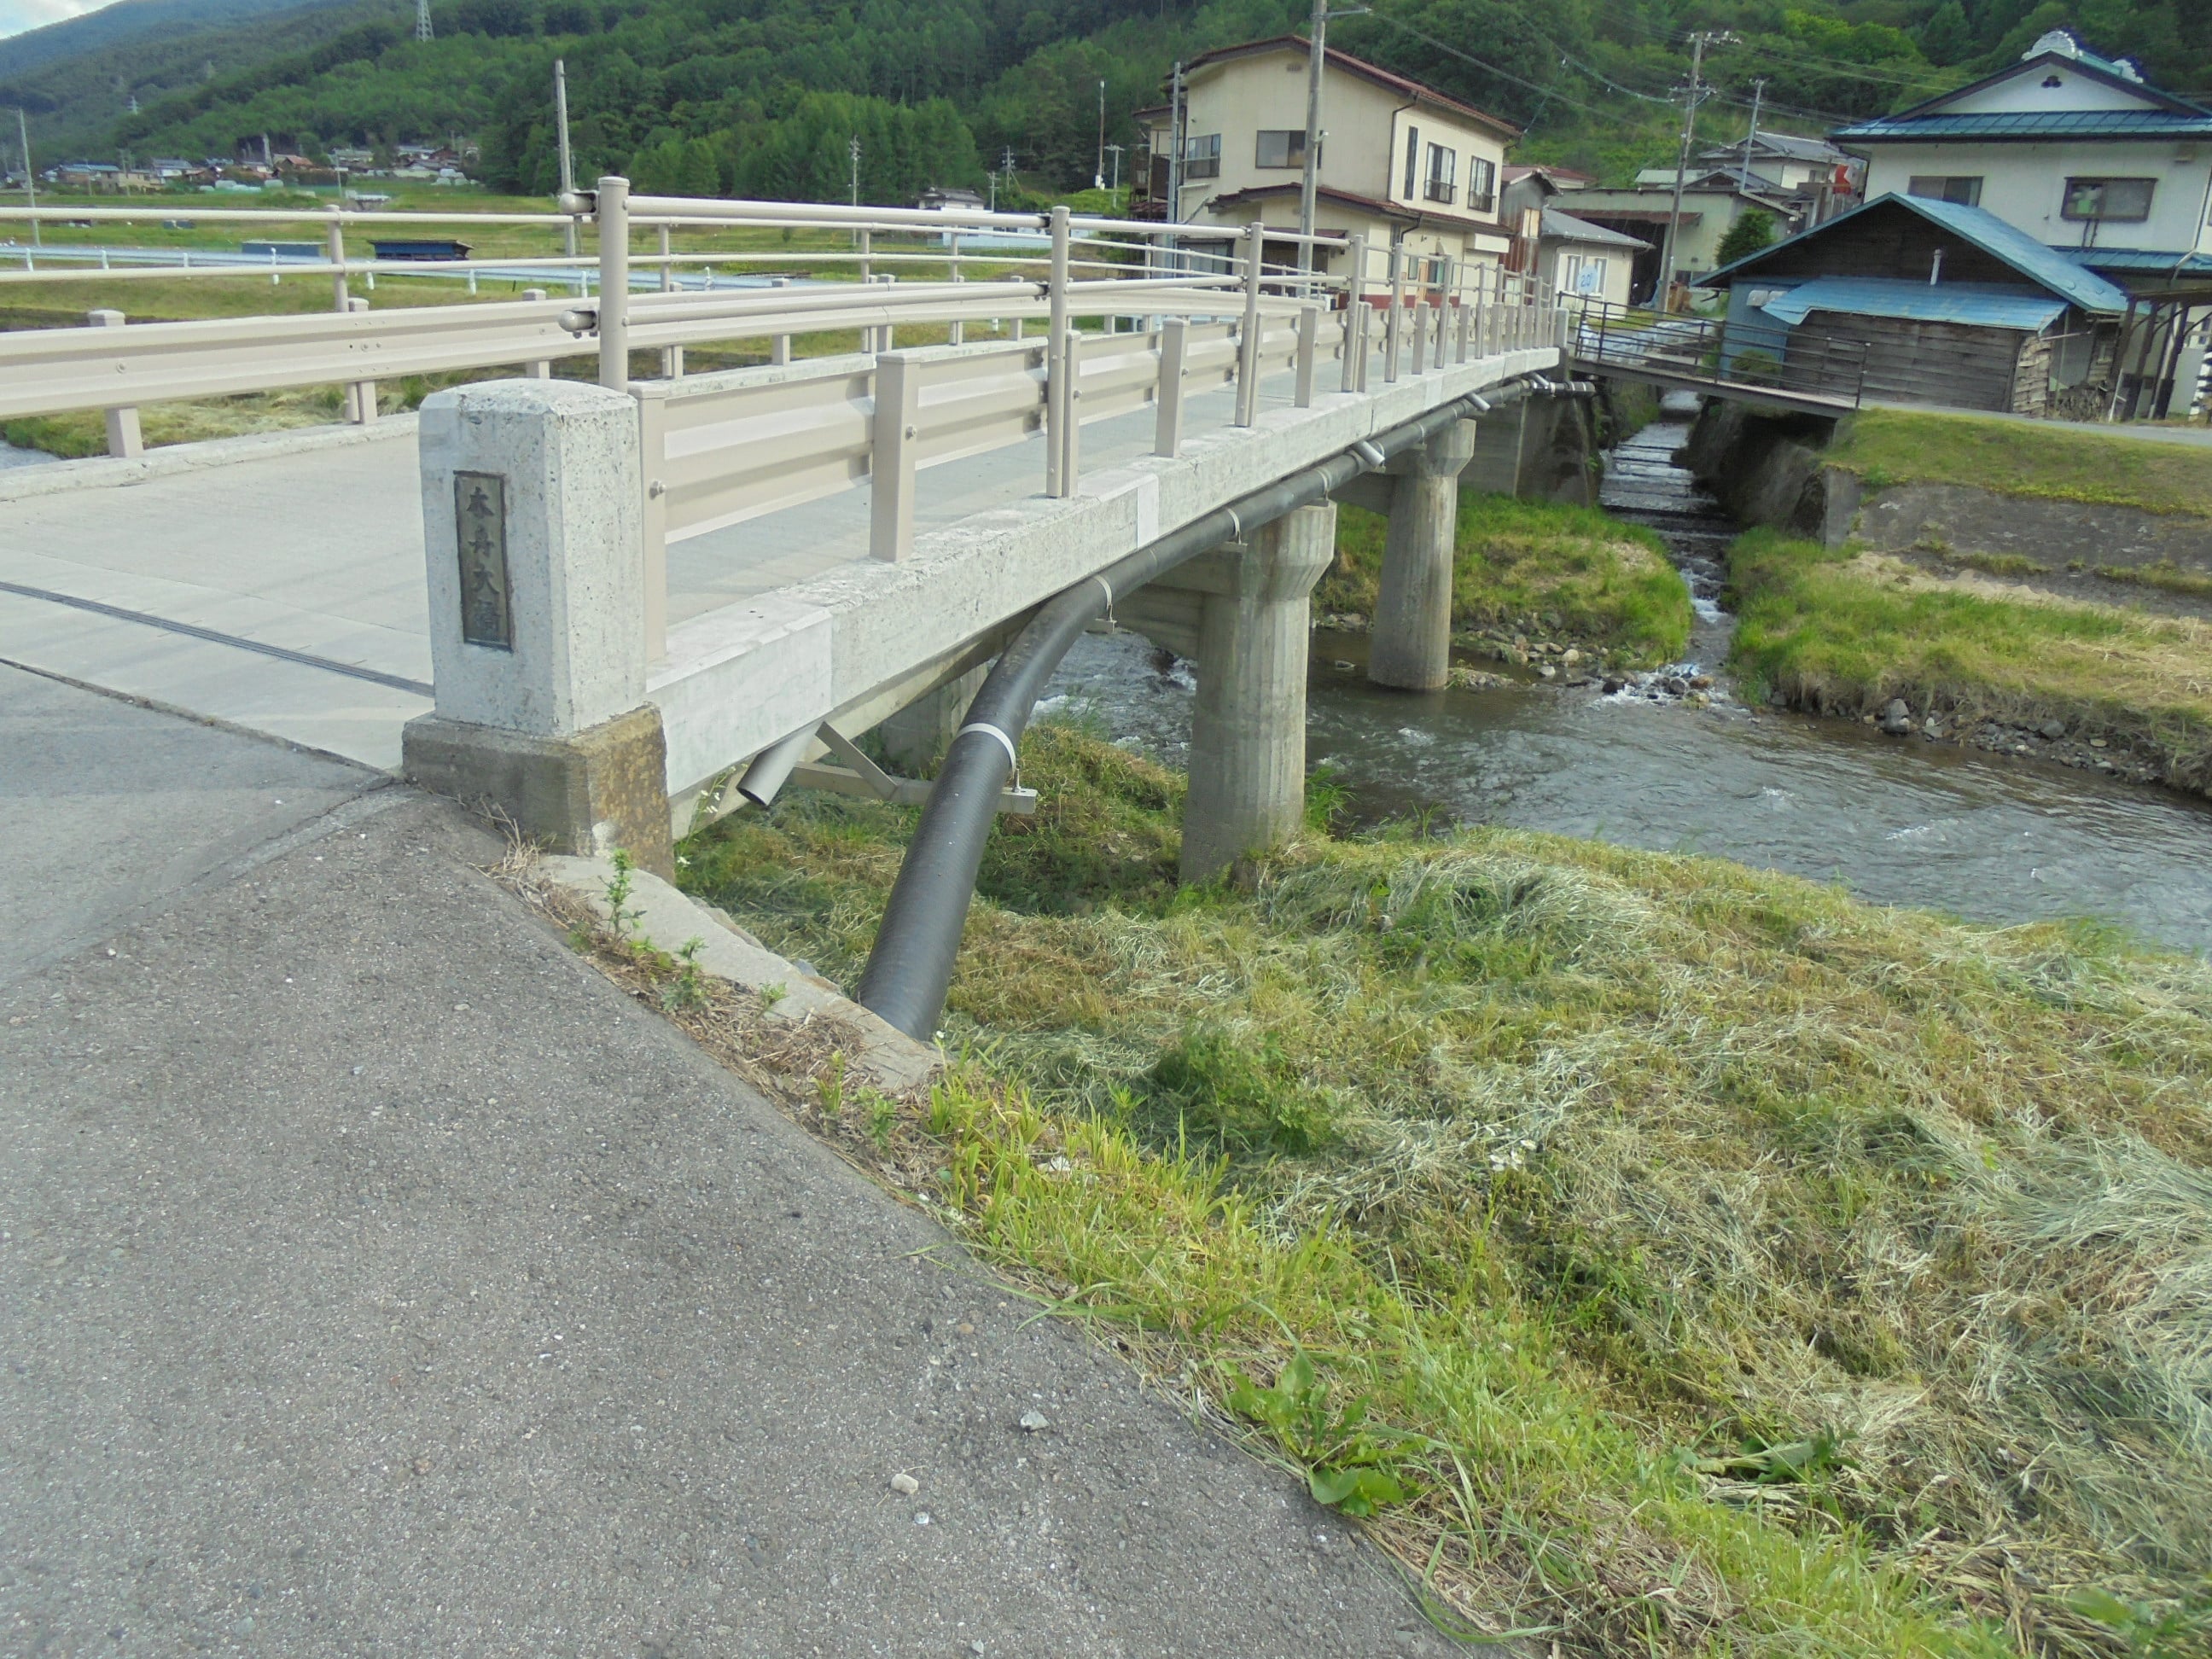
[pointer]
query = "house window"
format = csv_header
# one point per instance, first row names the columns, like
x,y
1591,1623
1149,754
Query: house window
x,y
1481,184
1282,149
1966,192
1413,159
1201,157
1582,273
1443,166
2124,199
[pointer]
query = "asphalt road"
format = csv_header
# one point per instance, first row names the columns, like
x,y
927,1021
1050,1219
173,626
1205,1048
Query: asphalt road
x,y
375,1279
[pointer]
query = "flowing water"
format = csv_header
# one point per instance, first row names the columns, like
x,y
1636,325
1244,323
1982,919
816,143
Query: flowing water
x,y
1896,822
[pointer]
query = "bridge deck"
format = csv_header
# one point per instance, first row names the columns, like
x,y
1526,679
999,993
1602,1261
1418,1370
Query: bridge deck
x,y
283,591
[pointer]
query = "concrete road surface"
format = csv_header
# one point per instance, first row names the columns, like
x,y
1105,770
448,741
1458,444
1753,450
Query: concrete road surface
x,y
375,1279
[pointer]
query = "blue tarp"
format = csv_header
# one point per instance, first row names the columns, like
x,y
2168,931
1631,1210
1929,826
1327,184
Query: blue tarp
x,y
1978,304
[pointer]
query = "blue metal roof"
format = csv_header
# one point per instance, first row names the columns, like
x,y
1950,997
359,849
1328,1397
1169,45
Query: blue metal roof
x,y
2043,267
2139,258
1981,303
2033,124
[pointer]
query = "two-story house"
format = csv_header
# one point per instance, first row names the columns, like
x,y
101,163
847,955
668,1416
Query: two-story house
x,y
1401,164
2087,157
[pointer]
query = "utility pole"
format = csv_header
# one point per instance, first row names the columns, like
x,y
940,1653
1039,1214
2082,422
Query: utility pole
x,y
852,149
560,137
1751,139
1098,177
1699,42
30,177
1316,62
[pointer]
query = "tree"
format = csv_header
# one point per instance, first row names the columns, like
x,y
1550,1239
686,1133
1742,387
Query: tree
x,y
1947,38
1752,232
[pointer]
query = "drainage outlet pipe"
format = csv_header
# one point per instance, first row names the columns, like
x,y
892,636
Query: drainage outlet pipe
x,y
910,968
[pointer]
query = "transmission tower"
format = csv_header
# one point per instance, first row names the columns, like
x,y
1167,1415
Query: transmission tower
x,y
423,19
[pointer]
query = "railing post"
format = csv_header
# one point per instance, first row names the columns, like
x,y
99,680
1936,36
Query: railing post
x,y
652,509
361,396
1390,327
1466,324
1070,452
1355,303
1247,336
541,369
779,349
613,216
671,357
1167,417
1060,406
958,334
124,437
1421,337
336,244
892,456
1309,345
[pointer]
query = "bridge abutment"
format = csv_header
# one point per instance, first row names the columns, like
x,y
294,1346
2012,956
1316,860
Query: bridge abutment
x,y
530,517
1411,645
1248,749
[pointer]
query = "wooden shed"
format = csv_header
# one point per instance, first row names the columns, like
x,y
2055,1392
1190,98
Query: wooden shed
x,y
1953,305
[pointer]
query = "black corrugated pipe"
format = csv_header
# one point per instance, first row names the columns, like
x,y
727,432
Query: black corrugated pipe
x,y
910,968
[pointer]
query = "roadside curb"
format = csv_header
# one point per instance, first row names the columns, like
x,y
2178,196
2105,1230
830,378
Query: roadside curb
x,y
655,911
109,471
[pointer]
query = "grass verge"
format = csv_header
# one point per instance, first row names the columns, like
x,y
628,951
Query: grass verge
x,y
1841,632
2019,457
1605,583
1676,1259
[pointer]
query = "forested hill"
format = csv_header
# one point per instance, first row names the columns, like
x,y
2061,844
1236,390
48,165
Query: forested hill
x,y
763,96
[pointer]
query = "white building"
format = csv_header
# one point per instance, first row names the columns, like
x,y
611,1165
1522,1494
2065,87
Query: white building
x,y
1401,164
2087,157
1587,261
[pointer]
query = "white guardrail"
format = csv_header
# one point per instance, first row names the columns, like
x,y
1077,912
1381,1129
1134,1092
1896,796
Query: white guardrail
x,y
1166,318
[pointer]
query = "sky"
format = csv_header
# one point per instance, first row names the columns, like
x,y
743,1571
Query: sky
x,y
16,15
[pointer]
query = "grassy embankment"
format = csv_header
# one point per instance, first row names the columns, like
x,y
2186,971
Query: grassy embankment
x,y
1886,447
1688,1261
1844,632
62,302
1537,570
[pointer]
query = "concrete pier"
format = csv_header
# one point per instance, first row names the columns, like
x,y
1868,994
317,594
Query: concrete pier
x,y
530,519
1411,647
1247,753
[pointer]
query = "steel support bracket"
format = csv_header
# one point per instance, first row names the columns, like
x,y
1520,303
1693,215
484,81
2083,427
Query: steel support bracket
x,y
862,777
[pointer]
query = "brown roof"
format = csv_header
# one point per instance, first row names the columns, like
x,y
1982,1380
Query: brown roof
x,y
1360,67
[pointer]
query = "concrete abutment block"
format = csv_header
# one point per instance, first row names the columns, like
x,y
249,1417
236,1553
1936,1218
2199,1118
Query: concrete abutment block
x,y
531,518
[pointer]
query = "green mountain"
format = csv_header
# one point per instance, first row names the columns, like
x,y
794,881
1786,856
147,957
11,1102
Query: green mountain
x,y
764,96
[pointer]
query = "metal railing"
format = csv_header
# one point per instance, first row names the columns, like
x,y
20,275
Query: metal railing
x,y
1812,368
1132,314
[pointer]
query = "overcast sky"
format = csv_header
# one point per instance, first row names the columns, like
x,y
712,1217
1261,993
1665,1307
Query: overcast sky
x,y
16,15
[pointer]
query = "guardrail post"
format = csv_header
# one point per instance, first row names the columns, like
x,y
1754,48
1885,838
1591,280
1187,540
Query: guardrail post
x,y
1166,416
779,349
1390,328
1070,452
892,455
1465,322
339,292
361,396
614,283
543,368
671,357
1248,334
652,509
124,437
1421,337
537,642
1060,407
958,333
1309,345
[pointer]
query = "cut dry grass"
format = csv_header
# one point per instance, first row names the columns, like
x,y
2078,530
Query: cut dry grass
x,y
2020,458
1844,633
1610,584
1745,1269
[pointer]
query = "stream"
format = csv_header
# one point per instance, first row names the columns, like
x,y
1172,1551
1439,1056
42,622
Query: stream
x,y
1895,822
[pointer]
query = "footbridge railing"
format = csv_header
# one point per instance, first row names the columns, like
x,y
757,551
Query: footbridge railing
x,y
1635,343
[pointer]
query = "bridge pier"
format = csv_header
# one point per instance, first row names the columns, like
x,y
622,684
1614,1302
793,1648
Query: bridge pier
x,y
916,737
1410,648
530,517
1248,741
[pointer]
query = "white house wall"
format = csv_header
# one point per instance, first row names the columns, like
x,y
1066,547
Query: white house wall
x,y
2025,184
2025,93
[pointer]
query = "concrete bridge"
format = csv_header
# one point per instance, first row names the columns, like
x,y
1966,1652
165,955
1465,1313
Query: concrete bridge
x,y
612,610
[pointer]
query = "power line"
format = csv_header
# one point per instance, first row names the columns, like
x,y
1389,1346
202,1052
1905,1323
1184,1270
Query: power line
x,y
1484,64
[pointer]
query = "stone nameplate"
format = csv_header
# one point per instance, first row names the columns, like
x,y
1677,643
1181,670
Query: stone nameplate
x,y
480,535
